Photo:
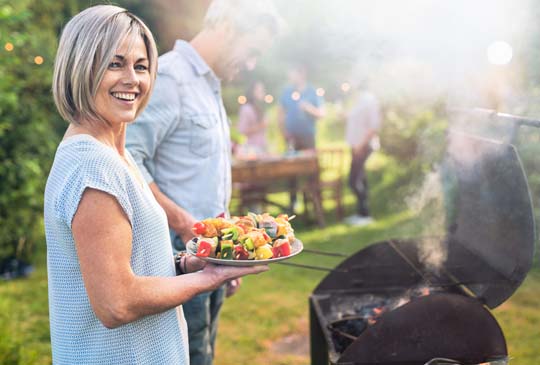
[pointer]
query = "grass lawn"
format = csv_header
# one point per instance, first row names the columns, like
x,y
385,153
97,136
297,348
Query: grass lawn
x,y
270,308
273,307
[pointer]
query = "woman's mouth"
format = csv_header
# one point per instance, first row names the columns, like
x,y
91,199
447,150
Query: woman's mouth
x,y
125,96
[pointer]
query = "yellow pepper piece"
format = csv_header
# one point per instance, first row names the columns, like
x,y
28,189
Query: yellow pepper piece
x,y
263,252
281,230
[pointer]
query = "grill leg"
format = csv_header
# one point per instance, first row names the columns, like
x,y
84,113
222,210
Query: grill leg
x,y
319,348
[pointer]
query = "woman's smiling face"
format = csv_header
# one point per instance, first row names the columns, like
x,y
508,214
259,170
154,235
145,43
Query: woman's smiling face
x,y
125,83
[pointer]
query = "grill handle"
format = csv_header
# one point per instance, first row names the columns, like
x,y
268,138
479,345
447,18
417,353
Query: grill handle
x,y
311,267
325,253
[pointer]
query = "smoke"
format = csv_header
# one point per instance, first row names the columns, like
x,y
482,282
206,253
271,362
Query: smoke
x,y
422,50
428,203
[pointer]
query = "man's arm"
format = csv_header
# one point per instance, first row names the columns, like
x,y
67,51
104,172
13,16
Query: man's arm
x,y
313,105
316,112
178,218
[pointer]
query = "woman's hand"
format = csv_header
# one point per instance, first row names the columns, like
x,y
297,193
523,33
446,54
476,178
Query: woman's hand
x,y
193,263
219,274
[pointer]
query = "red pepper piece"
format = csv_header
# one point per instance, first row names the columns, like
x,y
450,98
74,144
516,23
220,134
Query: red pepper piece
x,y
266,237
285,249
282,250
240,253
204,249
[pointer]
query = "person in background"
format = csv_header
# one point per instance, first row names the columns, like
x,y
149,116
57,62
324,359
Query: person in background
x,y
114,293
181,142
252,121
299,109
363,124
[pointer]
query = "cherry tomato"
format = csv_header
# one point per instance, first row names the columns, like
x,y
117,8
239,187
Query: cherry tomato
x,y
199,228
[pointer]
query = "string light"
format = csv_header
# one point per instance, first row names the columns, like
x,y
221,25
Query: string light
x,y
345,87
38,60
320,91
295,96
268,99
242,100
9,46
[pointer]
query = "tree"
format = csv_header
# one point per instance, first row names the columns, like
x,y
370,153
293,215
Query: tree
x,y
30,127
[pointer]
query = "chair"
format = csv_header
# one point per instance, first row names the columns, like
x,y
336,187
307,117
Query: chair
x,y
331,168
249,196
331,172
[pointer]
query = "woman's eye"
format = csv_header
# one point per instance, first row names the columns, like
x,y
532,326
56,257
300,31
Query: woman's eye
x,y
141,67
115,65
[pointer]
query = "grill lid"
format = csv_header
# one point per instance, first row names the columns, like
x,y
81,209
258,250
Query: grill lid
x,y
489,244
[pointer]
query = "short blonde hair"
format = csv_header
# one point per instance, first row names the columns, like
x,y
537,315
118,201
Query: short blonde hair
x,y
88,43
244,15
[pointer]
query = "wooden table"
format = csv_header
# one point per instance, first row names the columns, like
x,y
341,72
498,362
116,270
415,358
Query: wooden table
x,y
268,171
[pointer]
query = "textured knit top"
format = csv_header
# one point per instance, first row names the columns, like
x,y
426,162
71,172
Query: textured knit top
x,y
77,335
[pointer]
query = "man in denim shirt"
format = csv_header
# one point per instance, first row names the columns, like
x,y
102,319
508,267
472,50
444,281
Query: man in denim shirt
x,y
181,141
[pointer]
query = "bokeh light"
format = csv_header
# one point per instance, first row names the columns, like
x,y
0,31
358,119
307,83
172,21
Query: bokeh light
x,y
242,100
268,99
320,91
295,96
345,87
38,60
9,47
499,53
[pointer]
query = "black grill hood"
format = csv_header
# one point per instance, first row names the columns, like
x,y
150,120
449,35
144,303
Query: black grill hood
x,y
490,231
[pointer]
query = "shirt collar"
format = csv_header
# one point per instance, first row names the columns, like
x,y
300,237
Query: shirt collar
x,y
196,61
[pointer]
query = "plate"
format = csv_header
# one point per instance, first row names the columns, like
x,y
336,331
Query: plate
x,y
296,248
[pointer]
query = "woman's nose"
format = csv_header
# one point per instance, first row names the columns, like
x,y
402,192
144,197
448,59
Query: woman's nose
x,y
130,77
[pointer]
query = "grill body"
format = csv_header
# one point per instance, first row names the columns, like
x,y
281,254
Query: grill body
x,y
488,251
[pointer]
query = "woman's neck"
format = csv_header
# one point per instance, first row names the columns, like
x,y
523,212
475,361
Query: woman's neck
x,y
112,136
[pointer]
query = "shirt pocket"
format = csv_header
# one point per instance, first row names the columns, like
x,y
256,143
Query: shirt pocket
x,y
203,141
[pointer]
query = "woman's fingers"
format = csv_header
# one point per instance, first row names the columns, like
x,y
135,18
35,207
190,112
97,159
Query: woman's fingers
x,y
223,273
194,263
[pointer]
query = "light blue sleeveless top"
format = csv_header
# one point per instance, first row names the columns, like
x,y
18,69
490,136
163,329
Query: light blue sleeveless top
x,y
77,336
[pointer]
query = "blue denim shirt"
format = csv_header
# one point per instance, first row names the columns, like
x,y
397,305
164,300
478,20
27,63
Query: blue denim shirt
x,y
181,141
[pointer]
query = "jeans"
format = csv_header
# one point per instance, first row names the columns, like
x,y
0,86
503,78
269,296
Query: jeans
x,y
358,182
201,314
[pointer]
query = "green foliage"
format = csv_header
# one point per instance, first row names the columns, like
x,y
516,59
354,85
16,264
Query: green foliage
x,y
412,144
29,124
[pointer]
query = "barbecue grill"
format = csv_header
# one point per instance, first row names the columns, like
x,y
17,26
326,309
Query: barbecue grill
x,y
386,305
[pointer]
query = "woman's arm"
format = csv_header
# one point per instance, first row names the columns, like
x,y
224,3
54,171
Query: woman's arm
x,y
103,237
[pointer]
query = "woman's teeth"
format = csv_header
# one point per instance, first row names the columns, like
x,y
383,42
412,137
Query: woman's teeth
x,y
124,96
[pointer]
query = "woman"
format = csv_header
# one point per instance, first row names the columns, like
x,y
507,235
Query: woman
x,y
251,119
114,297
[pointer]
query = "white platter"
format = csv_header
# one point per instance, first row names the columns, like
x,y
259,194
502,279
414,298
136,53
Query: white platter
x,y
296,247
